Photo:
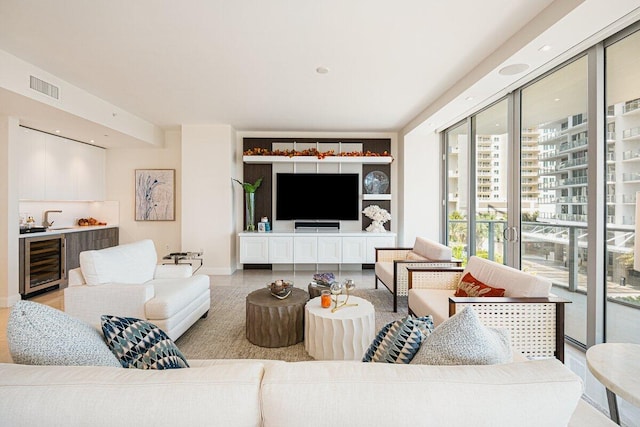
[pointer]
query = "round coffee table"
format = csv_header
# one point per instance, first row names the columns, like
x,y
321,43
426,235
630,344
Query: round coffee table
x,y
272,322
343,335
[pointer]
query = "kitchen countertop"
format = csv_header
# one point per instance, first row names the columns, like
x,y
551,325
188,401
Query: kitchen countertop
x,y
66,230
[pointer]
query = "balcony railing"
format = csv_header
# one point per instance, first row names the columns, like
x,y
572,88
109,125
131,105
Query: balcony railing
x,y
626,177
630,155
631,105
630,133
582,142
558,252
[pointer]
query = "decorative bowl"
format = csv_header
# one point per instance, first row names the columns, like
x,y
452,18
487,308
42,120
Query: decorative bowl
x,y
280,288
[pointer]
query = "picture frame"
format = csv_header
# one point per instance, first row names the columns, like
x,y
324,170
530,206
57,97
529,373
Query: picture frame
x,y
262,227
155,194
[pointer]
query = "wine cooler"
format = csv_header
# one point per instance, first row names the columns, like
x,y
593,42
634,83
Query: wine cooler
x,y
44,263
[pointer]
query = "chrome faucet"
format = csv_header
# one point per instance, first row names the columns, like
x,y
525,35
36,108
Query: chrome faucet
x,y
45,221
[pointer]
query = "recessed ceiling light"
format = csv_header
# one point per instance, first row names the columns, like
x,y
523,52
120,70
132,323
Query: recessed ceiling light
x,y
545,48
469,98
322,70
92,140
556,99
57,130
513,69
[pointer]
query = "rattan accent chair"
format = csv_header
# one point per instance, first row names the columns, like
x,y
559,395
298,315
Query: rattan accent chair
x,y
392,264
534,317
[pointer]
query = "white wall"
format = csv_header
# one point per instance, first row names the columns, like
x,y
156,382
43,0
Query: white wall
x,y
421,194
9,230
121,166
208,214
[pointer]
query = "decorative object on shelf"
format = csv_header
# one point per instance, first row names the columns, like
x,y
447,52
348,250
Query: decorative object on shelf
x,y
379,216
336,289
263,225
155,194
250,202
376,182
280,289
258,151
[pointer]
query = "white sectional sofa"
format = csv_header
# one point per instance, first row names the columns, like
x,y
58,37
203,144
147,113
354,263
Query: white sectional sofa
x,y
282,394
126,280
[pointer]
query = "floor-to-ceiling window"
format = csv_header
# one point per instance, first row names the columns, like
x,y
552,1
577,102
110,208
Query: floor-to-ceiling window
x,y
457,146
553,186
570,212
490,127
622,94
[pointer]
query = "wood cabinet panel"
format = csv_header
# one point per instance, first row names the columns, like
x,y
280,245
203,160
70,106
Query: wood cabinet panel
x,y
88,240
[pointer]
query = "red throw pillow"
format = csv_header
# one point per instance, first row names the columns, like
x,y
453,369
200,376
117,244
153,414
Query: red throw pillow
x,y
469,286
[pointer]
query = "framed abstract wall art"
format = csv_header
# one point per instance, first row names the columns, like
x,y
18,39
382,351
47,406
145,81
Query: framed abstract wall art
x,y
155,195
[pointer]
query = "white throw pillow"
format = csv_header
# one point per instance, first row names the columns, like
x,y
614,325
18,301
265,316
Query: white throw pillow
x,y
41,335
463,340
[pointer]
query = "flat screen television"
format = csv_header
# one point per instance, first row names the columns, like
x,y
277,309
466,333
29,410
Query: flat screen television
x,y
317,196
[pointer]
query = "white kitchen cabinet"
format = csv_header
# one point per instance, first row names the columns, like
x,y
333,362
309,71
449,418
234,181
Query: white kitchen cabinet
x,y
31,165
89,167
55,168
281,250
60,180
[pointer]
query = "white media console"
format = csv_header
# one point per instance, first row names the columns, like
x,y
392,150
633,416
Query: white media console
x,y
349,247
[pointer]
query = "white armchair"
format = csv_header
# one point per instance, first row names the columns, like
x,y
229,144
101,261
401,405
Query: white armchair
x,y
126,281
534,316
392,263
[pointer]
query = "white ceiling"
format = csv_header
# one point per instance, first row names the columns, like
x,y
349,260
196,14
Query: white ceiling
x,y
252,64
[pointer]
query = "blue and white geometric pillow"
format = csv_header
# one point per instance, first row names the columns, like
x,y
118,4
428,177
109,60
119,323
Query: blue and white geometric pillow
x,y
399,341
141,344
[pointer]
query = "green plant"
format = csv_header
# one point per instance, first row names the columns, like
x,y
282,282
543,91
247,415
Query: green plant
x,y
248,187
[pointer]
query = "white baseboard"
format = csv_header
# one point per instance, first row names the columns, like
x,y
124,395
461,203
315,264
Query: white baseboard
x,y
10,300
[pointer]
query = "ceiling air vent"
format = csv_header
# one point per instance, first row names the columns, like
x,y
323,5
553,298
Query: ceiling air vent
x,y
44,87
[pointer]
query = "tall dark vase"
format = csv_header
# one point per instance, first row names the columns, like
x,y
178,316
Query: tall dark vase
x,y
250,209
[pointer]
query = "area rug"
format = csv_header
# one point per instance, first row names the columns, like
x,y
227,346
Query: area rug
x,y
222,334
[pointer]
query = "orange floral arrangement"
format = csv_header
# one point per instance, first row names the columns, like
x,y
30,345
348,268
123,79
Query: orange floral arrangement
x,y
257,151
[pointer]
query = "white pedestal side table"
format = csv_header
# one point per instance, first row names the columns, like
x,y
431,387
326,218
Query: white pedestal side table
x,y
343,335
617,367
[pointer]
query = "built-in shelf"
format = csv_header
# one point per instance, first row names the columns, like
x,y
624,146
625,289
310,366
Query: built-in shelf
x,y
376,197
315,159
